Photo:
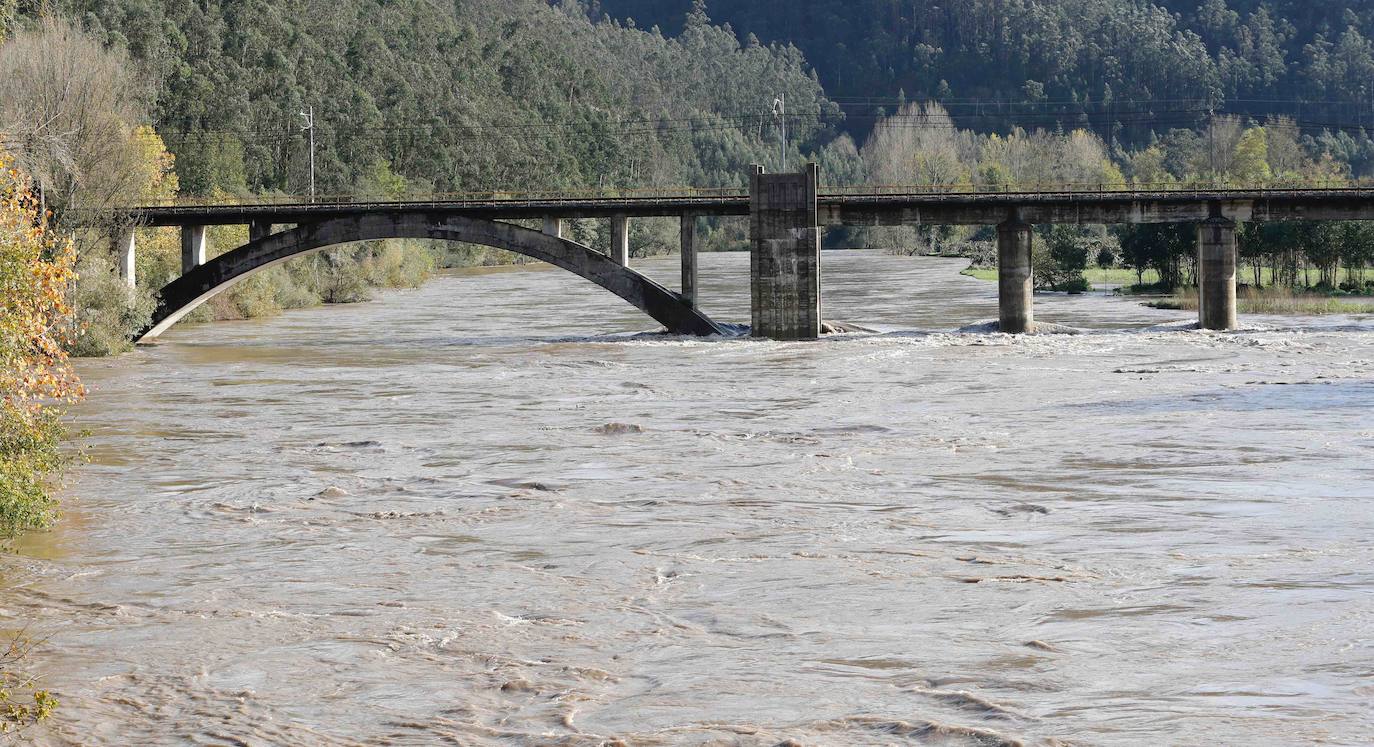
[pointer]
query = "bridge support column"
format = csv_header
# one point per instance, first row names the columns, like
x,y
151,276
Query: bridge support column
x,y
785,255
1015,286
192,248
620,240
259,230
125,247
553,227
1216,269
689,258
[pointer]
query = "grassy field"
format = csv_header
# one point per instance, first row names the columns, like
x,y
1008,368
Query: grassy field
x,y
1278,301
1126,277
1095,275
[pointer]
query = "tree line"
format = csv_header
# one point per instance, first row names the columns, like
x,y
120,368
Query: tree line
x,y
1124,69
922,145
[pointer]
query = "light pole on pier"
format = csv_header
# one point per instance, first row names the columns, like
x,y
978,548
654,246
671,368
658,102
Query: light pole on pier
x,y
309,126
780,111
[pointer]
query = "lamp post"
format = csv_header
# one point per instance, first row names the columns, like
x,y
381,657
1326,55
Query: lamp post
x,y
309,126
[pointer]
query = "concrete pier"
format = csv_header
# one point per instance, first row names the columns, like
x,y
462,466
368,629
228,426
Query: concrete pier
x,y
785,255
689,258
620,240
125,247
259,230
553,227
1216,269
193,247
1015,286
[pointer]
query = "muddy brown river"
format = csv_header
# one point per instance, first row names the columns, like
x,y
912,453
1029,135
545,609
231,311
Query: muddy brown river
x,y
491,511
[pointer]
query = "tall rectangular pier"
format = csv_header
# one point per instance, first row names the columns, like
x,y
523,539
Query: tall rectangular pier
x,y
785,255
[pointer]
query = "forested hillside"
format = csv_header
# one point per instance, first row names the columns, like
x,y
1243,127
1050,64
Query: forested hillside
x,y
417,95
1124,68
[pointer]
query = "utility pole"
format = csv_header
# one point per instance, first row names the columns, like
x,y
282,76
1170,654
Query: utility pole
x,y
309,126
780,111
1212,145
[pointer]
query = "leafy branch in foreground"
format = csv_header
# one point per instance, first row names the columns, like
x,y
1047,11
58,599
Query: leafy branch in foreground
x,y
22,702
36,379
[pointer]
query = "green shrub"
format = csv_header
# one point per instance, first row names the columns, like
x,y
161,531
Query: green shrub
x,y
1060,259
108,312
22,702
30,444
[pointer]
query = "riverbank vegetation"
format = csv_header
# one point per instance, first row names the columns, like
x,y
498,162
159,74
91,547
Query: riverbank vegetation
x,y
37,323
23,702
1320,256
1275,301
1098,278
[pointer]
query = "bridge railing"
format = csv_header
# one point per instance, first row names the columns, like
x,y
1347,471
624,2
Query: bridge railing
x,y
1095,188
471,196
680,193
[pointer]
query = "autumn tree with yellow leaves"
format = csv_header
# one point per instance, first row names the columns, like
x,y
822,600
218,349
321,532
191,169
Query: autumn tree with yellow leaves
x,y
36,379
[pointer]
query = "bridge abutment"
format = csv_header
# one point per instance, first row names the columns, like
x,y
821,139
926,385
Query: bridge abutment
x,y
785,255
125,253
1216,247
620,240
1015,284
193,248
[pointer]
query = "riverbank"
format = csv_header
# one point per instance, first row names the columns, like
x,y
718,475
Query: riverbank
x,y
1096,276
1249,300
1274,301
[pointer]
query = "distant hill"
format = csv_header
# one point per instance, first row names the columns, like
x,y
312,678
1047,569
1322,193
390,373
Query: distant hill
x,y
417,95
1122,67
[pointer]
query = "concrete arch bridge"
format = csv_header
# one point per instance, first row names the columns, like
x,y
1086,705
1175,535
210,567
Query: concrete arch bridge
x,y
786,212
202,280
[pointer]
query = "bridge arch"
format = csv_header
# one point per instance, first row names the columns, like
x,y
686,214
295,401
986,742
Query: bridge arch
x,y
181,296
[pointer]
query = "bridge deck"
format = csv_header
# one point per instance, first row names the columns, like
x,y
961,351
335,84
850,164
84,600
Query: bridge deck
x,y
833,208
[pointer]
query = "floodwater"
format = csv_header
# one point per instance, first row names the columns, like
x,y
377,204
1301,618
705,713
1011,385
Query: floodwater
x,y
488,512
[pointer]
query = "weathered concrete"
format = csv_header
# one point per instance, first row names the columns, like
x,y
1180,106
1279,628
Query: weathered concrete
x,y
620,240
553,227
1015,286
688,236
126,255
193,247
259,230
1110,208
201,283
920,208
785,255
1216,250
